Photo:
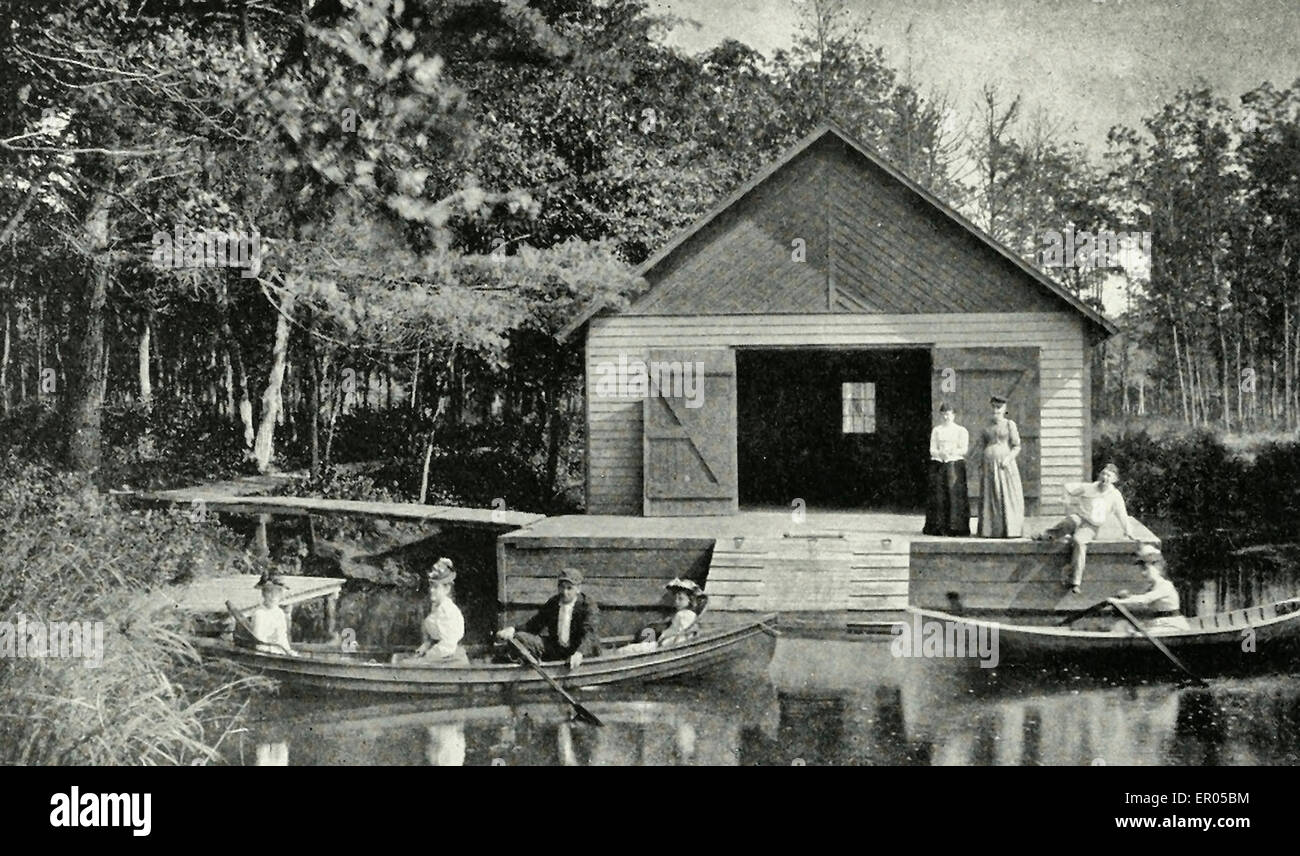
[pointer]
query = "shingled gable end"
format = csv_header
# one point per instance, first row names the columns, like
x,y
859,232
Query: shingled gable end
x,y
829,285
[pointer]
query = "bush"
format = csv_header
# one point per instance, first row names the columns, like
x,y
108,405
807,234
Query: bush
x,y
72,555
1199,483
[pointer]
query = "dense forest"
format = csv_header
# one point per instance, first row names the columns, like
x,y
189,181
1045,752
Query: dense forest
x,y
410,199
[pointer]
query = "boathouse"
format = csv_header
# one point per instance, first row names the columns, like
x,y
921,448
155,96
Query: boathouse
x,y
759,417
831,303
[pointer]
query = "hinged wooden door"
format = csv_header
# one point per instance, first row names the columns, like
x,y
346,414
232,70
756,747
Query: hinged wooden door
x,y
690,433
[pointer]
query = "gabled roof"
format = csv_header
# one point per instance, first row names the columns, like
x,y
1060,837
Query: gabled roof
x,y
1102,325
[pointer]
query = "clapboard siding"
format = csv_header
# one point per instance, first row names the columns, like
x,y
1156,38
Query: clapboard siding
x,y
615,436
870,244
749,259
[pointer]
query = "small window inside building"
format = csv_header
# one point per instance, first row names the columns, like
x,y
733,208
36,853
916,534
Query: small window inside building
x,y
859,412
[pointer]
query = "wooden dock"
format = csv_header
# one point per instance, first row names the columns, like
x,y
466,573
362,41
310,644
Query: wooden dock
x,y
841,569
210,595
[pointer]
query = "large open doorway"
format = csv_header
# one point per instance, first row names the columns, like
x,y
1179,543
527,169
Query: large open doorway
x,y
835,428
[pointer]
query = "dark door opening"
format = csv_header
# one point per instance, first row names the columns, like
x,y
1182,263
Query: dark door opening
x,y
836,428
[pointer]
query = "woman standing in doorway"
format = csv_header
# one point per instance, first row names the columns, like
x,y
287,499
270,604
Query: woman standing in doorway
x,y
1002,498
948,510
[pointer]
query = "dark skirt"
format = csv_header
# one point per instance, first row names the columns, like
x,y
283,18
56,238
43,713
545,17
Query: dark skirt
x,y
948,510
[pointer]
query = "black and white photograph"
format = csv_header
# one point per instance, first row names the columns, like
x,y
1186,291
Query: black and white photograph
x,y
503,383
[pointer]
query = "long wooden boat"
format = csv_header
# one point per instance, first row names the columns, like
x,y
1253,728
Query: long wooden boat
x,y
1238,640
369,671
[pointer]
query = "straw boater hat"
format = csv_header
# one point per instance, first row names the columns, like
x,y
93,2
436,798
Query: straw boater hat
x,y
688,586
271,578
1147,554
442,571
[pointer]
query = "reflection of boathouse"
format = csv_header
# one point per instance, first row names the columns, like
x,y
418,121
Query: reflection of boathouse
x,y
759,417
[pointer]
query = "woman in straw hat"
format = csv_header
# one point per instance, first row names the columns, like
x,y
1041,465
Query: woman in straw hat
x,y
685,596
1161,603
268,622
444,626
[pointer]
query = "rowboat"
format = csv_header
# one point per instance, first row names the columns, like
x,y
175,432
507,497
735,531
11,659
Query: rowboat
x,y
369,670
1227,641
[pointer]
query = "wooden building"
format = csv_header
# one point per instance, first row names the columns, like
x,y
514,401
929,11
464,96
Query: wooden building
x,y
759,418
831,304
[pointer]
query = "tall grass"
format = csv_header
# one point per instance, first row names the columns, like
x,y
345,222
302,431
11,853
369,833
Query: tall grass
x,y
69,554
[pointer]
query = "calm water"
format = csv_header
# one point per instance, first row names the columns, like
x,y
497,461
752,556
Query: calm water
x,y
800,701
817,702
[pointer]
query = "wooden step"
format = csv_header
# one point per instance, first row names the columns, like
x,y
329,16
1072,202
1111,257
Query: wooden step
x,y
818,571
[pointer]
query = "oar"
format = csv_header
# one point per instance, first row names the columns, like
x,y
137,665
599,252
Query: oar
x,y
243,623
1083,613
1123,610
583,714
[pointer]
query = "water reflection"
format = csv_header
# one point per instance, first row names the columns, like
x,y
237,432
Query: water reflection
x,y
821,702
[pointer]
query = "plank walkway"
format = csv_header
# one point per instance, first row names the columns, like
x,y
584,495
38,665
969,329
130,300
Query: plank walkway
x,y
247,495
303,506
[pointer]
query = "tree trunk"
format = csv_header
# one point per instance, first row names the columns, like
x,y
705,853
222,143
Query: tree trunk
x,y
1286,366
4,368
1178,363
1223,362
556,429
40,348
264,443
313,402
84,419
142,361
228,376
415,382
338,394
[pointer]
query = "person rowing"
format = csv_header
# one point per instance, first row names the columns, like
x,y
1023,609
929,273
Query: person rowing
x,y
567,627
269,624
1160,604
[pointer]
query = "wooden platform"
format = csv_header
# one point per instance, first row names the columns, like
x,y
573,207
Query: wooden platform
x,y
861,568
210,595
205,500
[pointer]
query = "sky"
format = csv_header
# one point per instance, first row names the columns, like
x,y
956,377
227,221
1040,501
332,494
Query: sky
x,y
1085,65
1090,64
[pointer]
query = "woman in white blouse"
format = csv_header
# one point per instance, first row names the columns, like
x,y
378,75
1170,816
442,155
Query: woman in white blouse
x,y
948,510
1159,607
444,626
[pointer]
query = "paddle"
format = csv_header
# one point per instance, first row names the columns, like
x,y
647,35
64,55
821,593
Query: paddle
x,y
244,625
1083,613
583,714
1123,610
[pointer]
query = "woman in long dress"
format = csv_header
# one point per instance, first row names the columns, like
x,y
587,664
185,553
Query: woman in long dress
x,y
948,510
1002,497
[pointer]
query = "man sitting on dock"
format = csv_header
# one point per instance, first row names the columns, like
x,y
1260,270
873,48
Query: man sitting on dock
x,y
1094,503
565,628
